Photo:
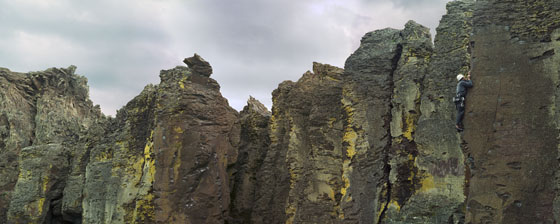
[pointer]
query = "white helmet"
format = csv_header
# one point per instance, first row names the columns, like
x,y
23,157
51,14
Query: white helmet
x,y
459,77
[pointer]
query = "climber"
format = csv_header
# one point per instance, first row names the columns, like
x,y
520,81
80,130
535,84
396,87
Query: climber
x,y
459,99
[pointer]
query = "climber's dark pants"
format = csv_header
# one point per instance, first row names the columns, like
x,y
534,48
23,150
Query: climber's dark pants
x,y
460,113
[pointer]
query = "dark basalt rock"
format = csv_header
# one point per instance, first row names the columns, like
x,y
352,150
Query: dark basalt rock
x,y
253,147
42,117
300,180
166,161
371,143
198,65
512,120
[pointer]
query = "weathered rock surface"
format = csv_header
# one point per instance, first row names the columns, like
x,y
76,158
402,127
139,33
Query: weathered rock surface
x,y
300,178
76,166
195,140
371,143
38,192
198,65
253,148
434,174
118,173
166,162
512,121
366,100
42,114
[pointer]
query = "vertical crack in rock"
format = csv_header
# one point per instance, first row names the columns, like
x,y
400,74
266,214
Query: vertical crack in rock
x,y
253,146
367,91
468,161
388,118
272,191
436,172
33,136
404,178
307,121
387,171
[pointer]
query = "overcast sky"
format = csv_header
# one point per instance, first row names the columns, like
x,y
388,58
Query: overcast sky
x,y
252,45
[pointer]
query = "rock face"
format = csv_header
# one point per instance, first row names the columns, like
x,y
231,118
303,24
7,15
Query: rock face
x,y
512,113
380,100
42,116
198,65
253,148
300,177
438,168
371,143
166,161
195,139
77,166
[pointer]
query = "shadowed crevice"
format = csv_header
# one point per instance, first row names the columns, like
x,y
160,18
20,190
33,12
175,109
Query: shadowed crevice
x,y
388,118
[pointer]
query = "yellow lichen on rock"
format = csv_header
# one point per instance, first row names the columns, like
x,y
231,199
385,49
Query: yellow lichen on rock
x,y
384,193
427,184
293,160
40,204
178,130
24,175
394,205
413,172
410,120
331,122
345,180
350,137
149,161
45,183
273,128
144,210
182,82
290,212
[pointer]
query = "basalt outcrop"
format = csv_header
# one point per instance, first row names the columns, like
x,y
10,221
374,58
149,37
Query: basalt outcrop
x,y
42,118
300,176
373,142
65,162
164,158
253,147
513,113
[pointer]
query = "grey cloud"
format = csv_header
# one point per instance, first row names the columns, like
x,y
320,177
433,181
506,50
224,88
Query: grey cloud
x,y
407,4
252,45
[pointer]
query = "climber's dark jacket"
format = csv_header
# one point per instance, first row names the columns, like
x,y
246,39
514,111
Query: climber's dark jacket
x,y
462,87
459,100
